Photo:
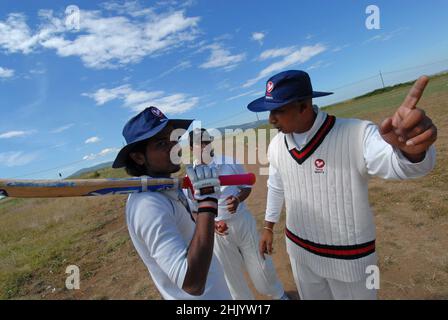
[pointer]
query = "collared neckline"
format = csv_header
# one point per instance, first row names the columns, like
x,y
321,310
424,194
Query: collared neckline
x,y
320,118
300,155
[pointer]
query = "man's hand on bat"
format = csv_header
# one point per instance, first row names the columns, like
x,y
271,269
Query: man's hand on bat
x,y
410,129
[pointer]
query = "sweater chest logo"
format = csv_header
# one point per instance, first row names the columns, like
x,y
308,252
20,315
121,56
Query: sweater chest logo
x,y
319,166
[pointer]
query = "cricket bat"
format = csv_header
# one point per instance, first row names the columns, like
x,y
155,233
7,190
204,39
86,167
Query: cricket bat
x,y
101,187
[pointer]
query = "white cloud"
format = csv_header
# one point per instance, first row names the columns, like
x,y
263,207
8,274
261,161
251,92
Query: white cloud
x,y
319,64
100,154
222,58
15,35
175,3
102,41
252,92
179,67
258,94
386,36
6,73
38,71
275,53
63,128
92,140
132,8
258,36
16,158
103,95
297,56
339,48
223,37
139,100
15,134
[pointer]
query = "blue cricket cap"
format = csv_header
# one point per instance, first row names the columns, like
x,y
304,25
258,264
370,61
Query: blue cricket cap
x,y
143,126
283,88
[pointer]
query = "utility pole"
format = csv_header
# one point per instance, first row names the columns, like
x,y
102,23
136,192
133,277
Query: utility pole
x,y
382,80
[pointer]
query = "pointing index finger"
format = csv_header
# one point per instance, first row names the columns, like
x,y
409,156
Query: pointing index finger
x,y
416,92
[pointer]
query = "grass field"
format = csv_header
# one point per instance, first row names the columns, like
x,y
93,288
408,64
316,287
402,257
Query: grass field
x,y
39,238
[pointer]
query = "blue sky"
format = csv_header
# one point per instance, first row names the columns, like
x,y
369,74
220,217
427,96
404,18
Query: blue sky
x,y
66,92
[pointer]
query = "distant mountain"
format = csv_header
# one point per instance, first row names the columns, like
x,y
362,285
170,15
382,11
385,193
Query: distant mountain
x,y
90,169
244,126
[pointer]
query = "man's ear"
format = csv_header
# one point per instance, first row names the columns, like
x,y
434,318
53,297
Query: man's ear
x,y
138,157
304,105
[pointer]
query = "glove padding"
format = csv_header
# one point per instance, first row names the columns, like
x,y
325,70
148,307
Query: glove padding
x,y
205,182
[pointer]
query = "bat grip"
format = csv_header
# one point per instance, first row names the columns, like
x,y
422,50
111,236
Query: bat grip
x,y
227,180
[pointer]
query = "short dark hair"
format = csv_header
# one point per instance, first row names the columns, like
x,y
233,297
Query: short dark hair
x,y
132,168
205,135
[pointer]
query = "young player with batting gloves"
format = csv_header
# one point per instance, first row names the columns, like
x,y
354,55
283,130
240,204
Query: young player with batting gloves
x,y
236,237
177,250
320,165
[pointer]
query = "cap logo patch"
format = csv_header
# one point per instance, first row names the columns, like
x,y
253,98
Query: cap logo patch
x,y
269,87
157,112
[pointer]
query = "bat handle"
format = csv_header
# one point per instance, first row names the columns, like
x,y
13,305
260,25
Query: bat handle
x,y
227,180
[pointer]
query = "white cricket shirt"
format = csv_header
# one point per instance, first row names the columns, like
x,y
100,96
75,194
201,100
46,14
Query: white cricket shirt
x,y
161,229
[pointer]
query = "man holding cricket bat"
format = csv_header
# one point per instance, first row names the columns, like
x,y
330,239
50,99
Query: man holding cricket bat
x,y
320,165
236,237
177,251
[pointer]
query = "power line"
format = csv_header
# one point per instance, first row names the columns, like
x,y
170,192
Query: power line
x,y
355,82
416,67
46,170
388,72
234,116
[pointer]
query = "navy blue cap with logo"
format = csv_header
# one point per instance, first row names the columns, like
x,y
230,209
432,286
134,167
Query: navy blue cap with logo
x,y
283,88
143,126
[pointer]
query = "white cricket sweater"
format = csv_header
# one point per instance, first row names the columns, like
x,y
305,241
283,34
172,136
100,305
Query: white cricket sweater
x,y
329,222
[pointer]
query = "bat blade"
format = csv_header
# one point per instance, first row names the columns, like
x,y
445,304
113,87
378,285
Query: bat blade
x,y
101,187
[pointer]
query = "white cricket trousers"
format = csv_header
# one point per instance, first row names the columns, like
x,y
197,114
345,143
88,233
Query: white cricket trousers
x,y
239,249
314,287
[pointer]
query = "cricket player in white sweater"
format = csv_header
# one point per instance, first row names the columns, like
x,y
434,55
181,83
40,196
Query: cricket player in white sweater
x,y
236,237
320,165
177,250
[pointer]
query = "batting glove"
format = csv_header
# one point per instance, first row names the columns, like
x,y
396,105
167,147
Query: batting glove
x,y
206,187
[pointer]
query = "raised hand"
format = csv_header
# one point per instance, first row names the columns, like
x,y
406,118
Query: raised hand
x,y
205,182
206,187
410,129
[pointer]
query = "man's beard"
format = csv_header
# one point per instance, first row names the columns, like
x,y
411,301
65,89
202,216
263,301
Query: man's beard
x,y
172,168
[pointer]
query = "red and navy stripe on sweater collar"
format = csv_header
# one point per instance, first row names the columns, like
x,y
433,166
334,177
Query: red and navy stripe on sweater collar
x,y
301,155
